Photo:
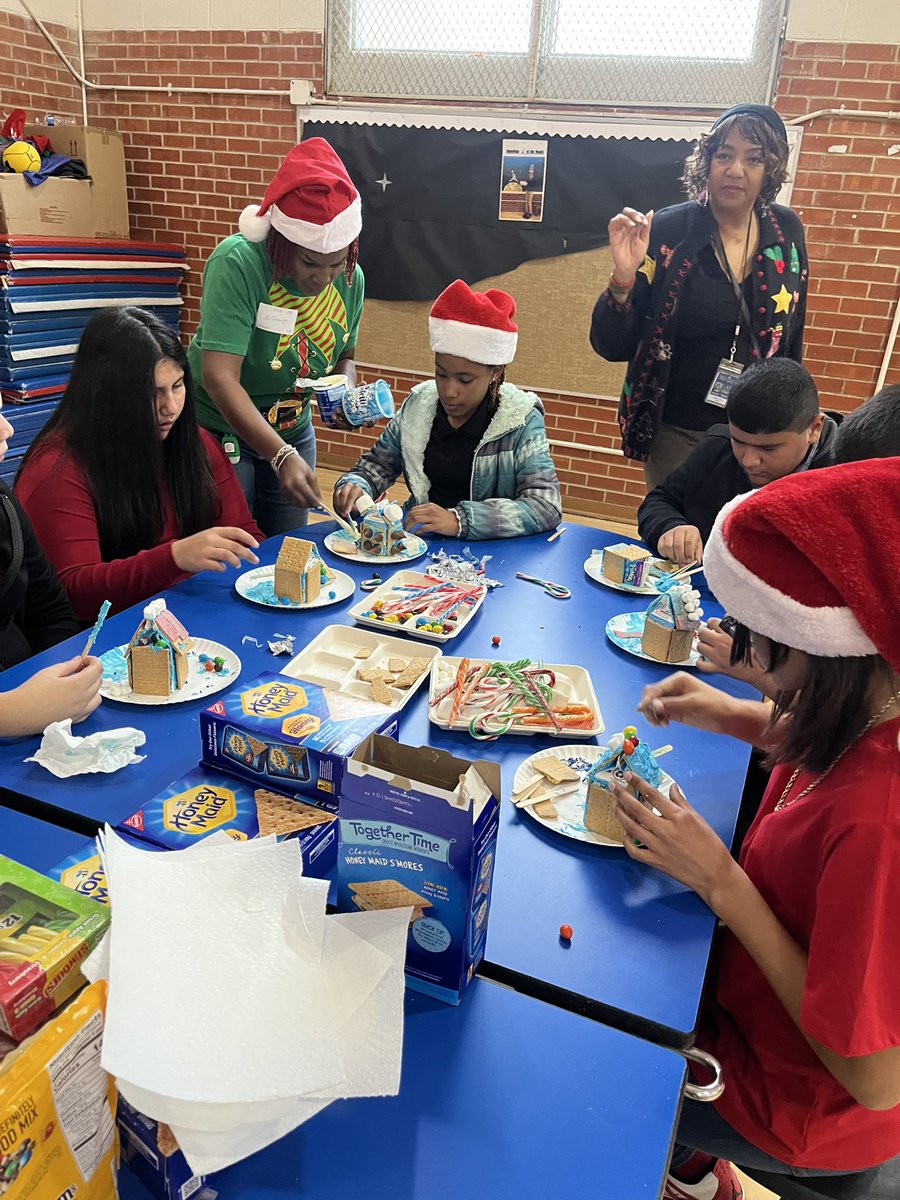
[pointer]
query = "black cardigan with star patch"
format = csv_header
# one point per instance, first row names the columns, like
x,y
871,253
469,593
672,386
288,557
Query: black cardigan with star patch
x,y
644,330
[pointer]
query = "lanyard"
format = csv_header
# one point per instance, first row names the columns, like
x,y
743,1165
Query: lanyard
x,y
738,290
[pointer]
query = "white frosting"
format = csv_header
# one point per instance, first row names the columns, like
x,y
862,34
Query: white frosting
x,y
392,512
154,609
364,503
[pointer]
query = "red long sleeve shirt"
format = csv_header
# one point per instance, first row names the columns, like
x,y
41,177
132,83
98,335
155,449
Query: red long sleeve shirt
x,y
57,498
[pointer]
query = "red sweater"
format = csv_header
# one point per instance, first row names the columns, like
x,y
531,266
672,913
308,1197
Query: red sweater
x,y
829,868
57,498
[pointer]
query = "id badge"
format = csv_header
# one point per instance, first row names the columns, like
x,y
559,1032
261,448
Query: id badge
x,y
231,448
727,374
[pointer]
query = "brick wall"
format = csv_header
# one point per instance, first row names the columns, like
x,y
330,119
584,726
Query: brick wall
x,y
42,83
850,205
195,161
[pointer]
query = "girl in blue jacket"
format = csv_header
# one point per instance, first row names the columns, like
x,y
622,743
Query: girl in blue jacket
x,y
472,448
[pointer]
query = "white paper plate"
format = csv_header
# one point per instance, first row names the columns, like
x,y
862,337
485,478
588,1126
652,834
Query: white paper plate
x,y
633,623
573,685
387,593
330,661
593,568
261,580
200,682
345,547
570,807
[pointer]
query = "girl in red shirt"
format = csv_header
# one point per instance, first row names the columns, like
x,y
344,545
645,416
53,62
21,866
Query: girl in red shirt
x,y
806,1011
125,492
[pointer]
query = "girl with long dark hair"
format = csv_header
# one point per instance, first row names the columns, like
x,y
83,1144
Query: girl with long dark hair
x,y
804,1013
125,492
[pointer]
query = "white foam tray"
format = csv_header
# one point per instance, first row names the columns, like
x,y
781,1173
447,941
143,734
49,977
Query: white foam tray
x,y
386,592
329,660
573,686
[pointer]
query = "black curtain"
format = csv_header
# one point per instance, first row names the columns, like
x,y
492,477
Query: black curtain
x,y
437,220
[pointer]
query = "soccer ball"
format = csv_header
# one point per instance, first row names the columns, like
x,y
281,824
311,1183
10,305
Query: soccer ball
x,y
21,156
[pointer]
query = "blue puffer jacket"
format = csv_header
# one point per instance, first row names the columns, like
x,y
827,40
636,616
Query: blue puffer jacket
x,y
514,488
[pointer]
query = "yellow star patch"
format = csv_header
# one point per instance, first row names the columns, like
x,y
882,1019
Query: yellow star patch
x,y
782,300
648,268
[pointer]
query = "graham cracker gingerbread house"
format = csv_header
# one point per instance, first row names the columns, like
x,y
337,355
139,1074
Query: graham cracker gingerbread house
x,y
299,571
624,563
381,530
157,654
670,624
626,752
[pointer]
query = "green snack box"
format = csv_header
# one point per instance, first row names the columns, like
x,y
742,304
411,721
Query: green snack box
x,y
46,930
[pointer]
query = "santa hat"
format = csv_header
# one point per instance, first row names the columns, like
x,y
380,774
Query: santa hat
x,y
812,560
311,201
478,326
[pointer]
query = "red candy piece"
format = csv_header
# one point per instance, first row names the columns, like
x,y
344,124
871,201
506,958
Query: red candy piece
x,y
209,665
565,932
495,640
628,747
635,740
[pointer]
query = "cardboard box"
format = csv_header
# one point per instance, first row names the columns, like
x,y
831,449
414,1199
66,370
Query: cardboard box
x,y
290,736
152,1153
56,208
103,153
46,930
83,870
203,801
418,827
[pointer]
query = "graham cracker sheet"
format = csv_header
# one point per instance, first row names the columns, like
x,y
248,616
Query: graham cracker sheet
x,y
359,664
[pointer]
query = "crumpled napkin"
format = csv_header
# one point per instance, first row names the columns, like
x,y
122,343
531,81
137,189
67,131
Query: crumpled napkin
x,y
65,755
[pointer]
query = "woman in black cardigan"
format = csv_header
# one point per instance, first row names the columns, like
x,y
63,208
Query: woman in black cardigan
x,y
702,289
35,614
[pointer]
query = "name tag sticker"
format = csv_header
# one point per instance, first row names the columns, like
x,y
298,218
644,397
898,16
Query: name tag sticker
x,y
275,320
726,376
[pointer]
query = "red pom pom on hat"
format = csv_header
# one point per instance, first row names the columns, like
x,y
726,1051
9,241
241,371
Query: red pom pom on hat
x,y
311,201
478,326
813,560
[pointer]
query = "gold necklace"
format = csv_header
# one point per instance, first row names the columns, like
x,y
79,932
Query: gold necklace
x,y
785,803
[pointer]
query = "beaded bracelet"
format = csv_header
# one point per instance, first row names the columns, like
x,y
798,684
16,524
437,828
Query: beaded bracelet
x,y
282,456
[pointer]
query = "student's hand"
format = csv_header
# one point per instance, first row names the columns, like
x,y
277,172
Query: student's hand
x,y
339,421
685,699
683,544
298,481
714,648
344,499
629,238
675,839
53,694
431,518
214,549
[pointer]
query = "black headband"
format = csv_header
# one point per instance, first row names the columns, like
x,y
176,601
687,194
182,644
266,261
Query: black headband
x,y
762,111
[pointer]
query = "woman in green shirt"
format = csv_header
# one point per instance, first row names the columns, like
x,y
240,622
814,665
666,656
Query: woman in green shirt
x,y
281,301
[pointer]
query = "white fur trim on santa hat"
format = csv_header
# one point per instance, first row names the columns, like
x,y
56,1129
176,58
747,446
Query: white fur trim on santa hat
x,y
829,632
255,228
477,343
324,239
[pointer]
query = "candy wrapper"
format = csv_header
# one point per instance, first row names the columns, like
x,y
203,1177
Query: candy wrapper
x,y
462,568
282,643
64,754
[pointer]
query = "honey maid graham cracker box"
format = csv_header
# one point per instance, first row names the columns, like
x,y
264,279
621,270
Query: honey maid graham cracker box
x,y
418,829
290,736
203,801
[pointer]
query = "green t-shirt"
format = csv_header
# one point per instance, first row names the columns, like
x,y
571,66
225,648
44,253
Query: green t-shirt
x,y
239,296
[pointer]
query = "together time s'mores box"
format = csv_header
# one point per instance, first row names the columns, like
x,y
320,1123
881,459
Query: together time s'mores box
x,y
418,830
203,801
151,1151
290,736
